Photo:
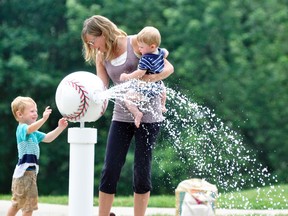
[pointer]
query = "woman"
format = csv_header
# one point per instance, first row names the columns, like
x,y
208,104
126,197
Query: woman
x,y
114,52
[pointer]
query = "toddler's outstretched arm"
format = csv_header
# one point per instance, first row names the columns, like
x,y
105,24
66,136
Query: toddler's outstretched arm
x,y
38,124
52,135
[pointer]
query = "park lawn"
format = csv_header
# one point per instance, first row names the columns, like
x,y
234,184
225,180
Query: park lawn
x,y
275,197
269,199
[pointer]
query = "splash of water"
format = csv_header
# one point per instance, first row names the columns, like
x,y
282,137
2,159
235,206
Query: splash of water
x,y
119,91
209,149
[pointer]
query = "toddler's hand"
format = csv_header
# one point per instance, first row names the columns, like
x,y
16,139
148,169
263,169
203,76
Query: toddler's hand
x,y
124,77
47,112
63,123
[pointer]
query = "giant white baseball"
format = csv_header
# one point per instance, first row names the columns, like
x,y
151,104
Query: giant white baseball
x,y
77,97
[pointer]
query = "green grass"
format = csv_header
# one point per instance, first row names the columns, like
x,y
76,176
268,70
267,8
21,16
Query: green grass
x,y
268,198
275,197
164,201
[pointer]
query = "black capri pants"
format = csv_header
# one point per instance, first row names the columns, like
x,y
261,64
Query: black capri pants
x,y
119,140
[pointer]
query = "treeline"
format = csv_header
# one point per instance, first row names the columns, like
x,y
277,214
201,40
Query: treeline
x,y
229,56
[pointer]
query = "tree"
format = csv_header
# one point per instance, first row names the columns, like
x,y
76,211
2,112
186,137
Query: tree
x,y
230,58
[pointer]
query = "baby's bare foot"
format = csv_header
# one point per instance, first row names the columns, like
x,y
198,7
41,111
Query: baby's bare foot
x,y
138,118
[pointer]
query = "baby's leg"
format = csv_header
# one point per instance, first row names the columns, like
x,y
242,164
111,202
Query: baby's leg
x,y
163,101
132,107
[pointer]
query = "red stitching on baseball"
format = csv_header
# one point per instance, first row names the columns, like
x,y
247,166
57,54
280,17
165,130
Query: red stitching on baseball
x,y
84,101
104,106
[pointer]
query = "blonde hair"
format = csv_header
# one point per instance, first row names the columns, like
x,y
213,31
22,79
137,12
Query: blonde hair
x,y
149,35
19,104
100,26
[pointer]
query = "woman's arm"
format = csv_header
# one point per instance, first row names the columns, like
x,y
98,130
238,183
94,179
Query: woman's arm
x,y
101,70
167,71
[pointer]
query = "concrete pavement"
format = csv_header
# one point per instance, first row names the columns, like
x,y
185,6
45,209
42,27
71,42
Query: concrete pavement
x,y
62,210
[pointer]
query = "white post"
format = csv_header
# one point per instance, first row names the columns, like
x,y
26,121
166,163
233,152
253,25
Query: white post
x,y
81,170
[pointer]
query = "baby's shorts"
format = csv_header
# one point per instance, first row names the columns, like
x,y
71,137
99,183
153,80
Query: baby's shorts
x,y
25,192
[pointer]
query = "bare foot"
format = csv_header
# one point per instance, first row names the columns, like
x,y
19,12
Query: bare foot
x,y
138,118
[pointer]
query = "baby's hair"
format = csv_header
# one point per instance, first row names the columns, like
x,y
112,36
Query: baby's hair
x,y
20,103
149,35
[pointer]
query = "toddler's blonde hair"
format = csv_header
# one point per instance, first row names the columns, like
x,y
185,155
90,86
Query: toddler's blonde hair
x,y
19,104
149,35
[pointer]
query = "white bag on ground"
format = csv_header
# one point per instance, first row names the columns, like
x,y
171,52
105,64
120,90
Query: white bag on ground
x,y
195,197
